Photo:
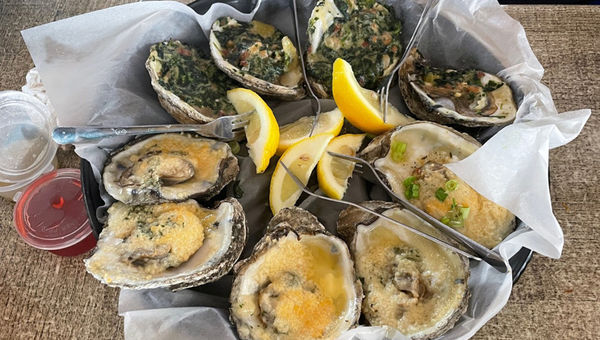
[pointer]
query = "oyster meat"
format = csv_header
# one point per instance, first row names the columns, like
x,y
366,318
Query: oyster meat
x,y
258,56
299,283
169,167
409,282
175,245
447,96
189,85
364,33
412,160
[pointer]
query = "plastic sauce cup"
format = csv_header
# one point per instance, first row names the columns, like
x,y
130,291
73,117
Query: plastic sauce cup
x,y
51,215
26,146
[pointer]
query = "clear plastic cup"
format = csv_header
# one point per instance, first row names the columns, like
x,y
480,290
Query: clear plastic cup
x,y
26,146
51,214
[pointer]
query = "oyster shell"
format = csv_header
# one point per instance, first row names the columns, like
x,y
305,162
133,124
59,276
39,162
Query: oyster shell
x,y
412,159
465,97
175,245
410,283
299,283
188,84
366,34
169,167
258,56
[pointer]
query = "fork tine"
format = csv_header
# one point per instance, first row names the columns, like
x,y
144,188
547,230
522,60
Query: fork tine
x,y
239,124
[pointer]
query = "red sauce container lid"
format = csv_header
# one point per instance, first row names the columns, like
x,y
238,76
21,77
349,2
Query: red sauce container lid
x,y
51,214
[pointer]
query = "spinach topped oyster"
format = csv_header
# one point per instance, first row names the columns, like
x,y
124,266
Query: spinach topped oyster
x,y
169,167
189,85
466,97
412,158
409,282
365,33
258,56
174,245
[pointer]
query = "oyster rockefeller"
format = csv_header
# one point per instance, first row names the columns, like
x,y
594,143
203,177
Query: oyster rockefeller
x,y
257,55
364,33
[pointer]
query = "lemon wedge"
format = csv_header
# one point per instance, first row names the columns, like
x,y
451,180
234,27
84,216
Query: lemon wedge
x,y
262,133
329,122
301,158
359,105
333,172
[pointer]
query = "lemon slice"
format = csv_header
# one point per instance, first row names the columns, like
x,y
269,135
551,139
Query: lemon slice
x,y
359,105
262,133
333,172
290,134
301,158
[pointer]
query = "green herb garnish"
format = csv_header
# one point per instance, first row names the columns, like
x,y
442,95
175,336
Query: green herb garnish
x,y
398,149
411,189
440,194
451,185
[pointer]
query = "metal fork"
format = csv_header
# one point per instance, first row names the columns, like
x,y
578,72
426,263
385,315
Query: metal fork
x,y
223,128
416,231
303,66
384,90
366,170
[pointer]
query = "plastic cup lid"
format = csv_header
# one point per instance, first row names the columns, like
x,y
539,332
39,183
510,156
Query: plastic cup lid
x,y
51,214
26,145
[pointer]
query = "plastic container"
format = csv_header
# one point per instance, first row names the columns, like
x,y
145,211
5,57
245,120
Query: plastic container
x,y
26,146
51,215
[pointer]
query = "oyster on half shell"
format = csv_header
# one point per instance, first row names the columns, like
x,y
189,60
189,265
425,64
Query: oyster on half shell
x,y
175,245
447,96
189,85
412,159
409,282
169,167
258,56
299,283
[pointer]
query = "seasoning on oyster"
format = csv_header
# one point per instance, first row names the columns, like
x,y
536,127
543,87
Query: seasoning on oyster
x,y
410,283
169,167
299,283
175,245
189,85
365,33
257,55
447,96
411,159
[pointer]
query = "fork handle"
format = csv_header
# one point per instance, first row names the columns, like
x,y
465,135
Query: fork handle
x,y
79,134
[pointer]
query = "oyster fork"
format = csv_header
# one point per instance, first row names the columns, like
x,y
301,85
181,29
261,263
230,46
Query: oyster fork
x,y
366,170
434,239
223,128
384,90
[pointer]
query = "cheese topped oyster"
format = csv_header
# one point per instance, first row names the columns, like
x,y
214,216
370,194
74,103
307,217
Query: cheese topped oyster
x,y
412,160
364,33
409,282
169,167
189,85
175,245
258,56
447,96
299,283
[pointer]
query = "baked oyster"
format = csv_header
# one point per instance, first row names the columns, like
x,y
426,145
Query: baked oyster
x,y
447,96
175,245
409,282
169,167
258,56
188,84
412,159
299,283
365,33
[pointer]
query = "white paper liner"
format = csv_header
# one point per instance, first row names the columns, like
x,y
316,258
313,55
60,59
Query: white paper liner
x,y
93,68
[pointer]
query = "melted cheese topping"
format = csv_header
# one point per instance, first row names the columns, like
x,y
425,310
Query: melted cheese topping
x,y
386,256
300,287
148,240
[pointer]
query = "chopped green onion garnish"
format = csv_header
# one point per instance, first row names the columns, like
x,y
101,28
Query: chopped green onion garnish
x,y
440,194
409,180
445,220
451,185
415,190
411,189
464,212
398,149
